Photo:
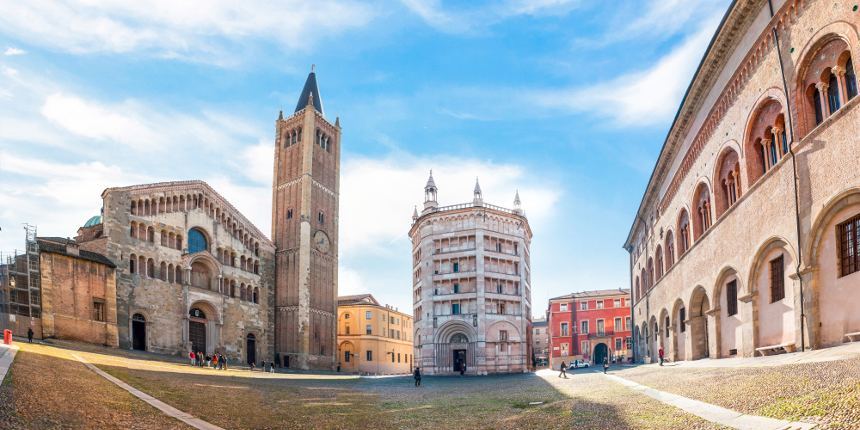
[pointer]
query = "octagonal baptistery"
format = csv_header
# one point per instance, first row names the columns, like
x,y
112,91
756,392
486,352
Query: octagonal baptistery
x,y
471,292
745,242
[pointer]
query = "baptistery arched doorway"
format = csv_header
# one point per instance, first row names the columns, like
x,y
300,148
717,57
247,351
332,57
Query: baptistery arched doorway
x,y
601,353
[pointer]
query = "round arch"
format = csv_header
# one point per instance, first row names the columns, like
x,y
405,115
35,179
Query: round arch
x,y
834,204
767,245
202,334
679,341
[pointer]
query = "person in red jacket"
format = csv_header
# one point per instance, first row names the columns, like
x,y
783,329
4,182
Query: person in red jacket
x,y
661,356
191,356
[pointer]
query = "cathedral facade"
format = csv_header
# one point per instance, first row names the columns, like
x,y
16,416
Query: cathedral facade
x,y
471,287
181,269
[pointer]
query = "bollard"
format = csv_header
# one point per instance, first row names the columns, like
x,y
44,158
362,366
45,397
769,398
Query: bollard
x,y
7,337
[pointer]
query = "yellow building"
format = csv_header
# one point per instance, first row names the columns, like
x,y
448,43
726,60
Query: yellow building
x,y
371,338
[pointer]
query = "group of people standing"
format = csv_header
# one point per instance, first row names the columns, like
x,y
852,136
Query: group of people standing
x,y
215,361
263,366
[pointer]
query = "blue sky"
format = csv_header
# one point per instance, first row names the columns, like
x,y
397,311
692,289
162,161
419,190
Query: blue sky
x,y
566,101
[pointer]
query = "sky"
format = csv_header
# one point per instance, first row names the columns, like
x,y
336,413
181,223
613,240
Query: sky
x,y
567,101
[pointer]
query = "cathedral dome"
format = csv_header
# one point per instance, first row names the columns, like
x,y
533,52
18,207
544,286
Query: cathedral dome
x,y
96,220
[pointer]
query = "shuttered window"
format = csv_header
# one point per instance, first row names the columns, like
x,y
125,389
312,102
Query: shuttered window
x,y
850,248
682,315
732,298
777,280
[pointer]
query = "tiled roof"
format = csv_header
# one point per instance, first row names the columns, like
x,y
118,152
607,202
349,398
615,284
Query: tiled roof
x,y
596,293
311,87
356,299
57,245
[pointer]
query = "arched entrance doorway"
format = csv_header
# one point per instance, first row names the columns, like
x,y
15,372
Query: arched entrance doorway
x,y
197,330
459,345
601,352
251,348
699,324
138,332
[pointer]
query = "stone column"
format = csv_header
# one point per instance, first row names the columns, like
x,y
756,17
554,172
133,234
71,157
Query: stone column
x,y
825,104
840,79
768,161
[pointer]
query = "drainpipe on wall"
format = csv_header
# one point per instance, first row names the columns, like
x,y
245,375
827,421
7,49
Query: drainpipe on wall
x,y
632,314
794,180
647,297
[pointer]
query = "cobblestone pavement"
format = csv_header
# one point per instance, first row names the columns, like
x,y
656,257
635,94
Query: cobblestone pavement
x,y
48,389
826,393
62,393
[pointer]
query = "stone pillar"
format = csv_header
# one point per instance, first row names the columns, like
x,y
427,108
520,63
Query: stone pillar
x,y
696,345
748,308
713,325
811,333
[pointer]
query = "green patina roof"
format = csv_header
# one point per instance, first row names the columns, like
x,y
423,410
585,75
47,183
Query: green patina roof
x,y
96,220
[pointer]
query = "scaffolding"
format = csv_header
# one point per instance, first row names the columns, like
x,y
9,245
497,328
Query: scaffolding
x,y
20,279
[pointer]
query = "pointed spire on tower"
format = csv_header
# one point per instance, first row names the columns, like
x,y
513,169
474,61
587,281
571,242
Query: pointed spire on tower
x,y
310,94
415,214
337,121
479,199
430,182
517,203
430,193
281,115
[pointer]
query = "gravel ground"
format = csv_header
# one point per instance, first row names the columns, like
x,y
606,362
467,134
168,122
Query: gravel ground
x,y
826,393
63,393
46,388
259,400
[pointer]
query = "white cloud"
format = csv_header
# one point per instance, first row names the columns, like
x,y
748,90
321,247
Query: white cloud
x,y
462,19
89,119
648,97
177,28
378,195
57,197
14,51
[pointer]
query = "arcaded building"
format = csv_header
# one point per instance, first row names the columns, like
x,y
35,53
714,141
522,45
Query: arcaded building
x,y
745,242
472,286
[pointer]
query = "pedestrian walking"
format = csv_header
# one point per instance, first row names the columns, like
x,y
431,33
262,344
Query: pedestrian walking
x,y
661,356
30,335
223,362
214,361
253,366
563,370
417,375
462,369
271,366
262,365
605,365
191,356
208,359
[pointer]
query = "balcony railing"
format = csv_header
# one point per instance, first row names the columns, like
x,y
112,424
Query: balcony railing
x,y
601,334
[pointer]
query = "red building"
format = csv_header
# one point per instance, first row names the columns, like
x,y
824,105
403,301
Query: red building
x,y
590,326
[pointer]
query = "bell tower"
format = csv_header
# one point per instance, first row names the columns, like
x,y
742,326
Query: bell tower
x,y
305,197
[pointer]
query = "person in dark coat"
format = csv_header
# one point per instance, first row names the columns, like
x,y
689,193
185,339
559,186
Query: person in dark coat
x,y
30,335
223,362
563,370
661,356
417,375
462,368
605,365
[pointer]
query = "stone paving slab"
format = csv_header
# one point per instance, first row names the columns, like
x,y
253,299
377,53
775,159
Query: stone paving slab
x,y
713,413
158,404
7,356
